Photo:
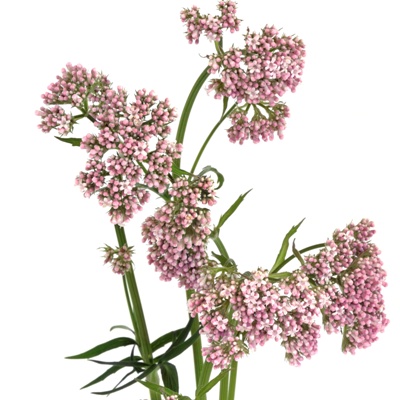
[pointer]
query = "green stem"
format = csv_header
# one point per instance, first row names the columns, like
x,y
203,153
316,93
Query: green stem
x,y
139,322
204,378
223,387
180,134
203,147
232,380
196,347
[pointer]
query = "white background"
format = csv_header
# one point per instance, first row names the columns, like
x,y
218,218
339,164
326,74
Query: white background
x,y
338,162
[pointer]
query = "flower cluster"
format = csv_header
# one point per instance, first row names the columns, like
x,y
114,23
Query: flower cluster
x,y
342,284
350,271
125,139
238,312
211,26
119,258
259,127
268,66
178,232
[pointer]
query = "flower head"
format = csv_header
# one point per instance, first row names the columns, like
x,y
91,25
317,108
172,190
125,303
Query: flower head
x,y
128,135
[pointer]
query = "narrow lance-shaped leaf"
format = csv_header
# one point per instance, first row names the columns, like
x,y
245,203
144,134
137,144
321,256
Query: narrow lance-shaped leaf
x,y
224,261
279,275
169,376
177,350
102,348
108,372
165,339
134,363
179,171
72,141
206,388
297,254
121,327
224,105
232,209
130,383
158,389
284,248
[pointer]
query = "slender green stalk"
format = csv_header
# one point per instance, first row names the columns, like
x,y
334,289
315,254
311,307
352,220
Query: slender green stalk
x,y
204,378
232,381
139,322
196,347
180,134
203,147
223,387
128,300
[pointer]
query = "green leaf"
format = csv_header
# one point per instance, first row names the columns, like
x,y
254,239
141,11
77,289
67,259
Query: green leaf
x,y
183,334
206,388
159,389
232,209
131,362
297,254
137,379
225,105
102,348
178,171
106,374
121,327
165,339
224,261
279,275
220,177
169,376
180,348
73,141
284,248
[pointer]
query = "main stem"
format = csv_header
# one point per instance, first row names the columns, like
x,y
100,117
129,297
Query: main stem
x,y
137,314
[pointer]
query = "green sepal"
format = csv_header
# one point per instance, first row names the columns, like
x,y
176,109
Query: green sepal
x,y
220,177
165,339
159,389
284,248
201,391
102,348
72,141
231,209
169,375
106,374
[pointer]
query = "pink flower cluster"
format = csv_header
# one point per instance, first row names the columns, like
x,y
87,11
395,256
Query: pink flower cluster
x,y
239,312
268,66
211,26
259,127
178,232
342,284
350,271
119,258
125,139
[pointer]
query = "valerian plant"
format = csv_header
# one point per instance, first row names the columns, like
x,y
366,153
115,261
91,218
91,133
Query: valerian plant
x,y
131,154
